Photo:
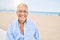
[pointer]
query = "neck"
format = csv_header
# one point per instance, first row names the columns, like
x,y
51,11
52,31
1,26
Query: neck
x,y
21,22
21,27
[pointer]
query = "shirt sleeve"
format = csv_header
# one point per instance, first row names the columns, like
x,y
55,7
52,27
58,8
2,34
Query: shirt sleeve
x,y
36,34
9,33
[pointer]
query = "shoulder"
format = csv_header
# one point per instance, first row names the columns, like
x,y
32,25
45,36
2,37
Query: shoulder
x,y
31,23
12,24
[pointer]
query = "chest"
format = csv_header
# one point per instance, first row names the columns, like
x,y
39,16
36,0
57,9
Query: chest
x,y
28,32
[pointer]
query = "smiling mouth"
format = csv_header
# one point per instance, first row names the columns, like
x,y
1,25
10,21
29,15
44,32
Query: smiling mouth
x,y
22,16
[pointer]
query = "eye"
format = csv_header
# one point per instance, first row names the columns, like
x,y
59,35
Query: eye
x,y
25,11
20,11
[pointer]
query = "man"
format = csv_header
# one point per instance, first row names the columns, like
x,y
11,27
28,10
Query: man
x,y
22,28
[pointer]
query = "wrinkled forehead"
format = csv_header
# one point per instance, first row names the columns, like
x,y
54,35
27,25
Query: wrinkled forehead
x,y
22,7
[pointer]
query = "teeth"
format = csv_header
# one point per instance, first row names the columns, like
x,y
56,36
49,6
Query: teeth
x,y
21,16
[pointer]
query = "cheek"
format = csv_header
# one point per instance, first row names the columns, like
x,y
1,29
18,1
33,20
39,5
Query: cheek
x,y
26,15
18,14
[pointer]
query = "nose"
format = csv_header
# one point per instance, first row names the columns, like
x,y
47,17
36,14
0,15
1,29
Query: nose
x,y
22,13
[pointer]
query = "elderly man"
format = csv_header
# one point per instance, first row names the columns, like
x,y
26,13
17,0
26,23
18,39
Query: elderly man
x,y
22,28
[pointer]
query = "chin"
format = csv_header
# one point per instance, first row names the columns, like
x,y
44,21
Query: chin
x,y
22,20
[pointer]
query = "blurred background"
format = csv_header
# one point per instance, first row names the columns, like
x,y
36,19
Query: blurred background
x,y
45,13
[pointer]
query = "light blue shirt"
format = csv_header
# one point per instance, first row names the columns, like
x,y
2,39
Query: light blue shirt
x,y
30,31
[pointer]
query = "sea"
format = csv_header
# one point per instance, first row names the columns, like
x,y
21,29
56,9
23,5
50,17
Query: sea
x,y
36,12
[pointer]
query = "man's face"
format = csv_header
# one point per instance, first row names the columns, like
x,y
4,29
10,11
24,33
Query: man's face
x,y
22,13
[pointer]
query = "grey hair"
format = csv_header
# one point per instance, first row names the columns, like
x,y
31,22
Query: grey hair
x,y
23,5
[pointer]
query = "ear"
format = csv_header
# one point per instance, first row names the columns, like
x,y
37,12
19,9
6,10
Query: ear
x,y
16,12
27,13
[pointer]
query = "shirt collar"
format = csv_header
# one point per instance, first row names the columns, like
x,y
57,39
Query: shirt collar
x,y
24,22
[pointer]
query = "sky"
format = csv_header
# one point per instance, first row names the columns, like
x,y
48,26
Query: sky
x,y
34,5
